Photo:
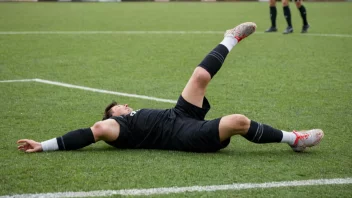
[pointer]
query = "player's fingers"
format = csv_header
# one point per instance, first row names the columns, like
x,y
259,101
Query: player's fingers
x,y
31,150
22,149
21,141
23,144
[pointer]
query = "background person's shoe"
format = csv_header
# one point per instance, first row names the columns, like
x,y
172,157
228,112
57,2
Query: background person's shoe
x,y
271,29
305,28
288,30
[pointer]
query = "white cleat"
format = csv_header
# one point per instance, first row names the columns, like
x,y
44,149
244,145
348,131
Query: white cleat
x,y
306,139
241,31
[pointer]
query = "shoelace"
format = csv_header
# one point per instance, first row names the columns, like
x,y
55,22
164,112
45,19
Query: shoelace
x,y
299,137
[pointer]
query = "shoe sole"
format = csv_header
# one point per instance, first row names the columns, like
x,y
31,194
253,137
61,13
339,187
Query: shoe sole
x,y
242,31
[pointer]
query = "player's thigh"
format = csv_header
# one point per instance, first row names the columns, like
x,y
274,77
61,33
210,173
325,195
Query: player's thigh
x,y
202,136
195,88
272,2
298,3
285,2
235,124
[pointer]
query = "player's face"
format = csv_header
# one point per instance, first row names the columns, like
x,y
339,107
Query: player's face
x,y
119,110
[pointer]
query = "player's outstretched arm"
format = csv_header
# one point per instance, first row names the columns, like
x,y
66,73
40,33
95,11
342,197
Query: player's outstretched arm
x,y
107,130
72,140
29,146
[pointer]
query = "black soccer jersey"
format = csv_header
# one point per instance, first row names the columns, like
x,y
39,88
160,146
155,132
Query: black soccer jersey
x,y
144,128
180,128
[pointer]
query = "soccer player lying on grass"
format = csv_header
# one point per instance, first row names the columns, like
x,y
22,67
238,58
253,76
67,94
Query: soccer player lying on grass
x,y
183,127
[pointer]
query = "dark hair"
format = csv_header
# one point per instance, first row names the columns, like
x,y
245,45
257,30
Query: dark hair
x,y
107,111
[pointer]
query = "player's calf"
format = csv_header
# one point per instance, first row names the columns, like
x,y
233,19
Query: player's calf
x,y
214,60
262,133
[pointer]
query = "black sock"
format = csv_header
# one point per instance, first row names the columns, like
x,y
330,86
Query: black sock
x,y
303,12
76,139
273,13
214,60
287,14
261,133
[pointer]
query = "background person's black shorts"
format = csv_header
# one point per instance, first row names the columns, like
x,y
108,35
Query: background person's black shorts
x,y
199,135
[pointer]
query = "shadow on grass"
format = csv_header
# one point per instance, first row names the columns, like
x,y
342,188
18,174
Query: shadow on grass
x,y
236,153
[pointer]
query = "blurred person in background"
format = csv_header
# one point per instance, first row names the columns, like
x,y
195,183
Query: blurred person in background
x,y
287,14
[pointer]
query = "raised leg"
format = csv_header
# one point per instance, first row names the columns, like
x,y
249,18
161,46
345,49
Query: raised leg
x,y
195,89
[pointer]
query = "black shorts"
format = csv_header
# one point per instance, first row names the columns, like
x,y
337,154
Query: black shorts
x,y
198,134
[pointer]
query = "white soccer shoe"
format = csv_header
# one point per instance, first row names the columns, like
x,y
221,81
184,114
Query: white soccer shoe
x,y
306,139
241,31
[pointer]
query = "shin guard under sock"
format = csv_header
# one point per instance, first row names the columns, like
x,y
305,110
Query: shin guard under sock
x,y
214,60
261,133
273,13
303,12
287,14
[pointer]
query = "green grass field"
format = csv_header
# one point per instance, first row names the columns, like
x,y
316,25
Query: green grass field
x,y
287,81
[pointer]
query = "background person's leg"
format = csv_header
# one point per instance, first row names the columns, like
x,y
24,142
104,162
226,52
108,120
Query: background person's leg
x,y
303,12
287,14
273,14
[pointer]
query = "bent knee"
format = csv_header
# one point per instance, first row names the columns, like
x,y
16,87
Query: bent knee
x,y
200,76
235,124
240,122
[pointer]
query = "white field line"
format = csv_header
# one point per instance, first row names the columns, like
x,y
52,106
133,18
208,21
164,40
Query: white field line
x,y
161,191
147,32
108,32
328,35
21,80
92,89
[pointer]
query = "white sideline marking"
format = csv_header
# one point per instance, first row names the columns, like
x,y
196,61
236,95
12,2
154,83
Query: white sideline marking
x,y
92,89
160,191
328,35
109,32
21,80
149,32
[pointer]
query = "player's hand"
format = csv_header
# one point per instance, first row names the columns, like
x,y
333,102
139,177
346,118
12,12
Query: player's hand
x,y
29,146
